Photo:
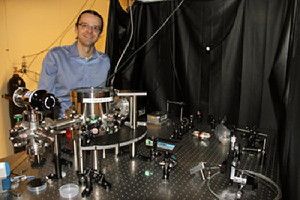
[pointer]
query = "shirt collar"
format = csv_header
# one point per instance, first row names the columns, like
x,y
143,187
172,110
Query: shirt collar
x,y
74,52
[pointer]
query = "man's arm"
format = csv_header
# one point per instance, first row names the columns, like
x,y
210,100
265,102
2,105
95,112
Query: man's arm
x,y
48,74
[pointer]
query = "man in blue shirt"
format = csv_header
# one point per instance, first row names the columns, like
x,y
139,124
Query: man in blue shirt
x,y
78,65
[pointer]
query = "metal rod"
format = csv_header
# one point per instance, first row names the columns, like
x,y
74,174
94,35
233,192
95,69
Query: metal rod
x,y
80,156
131,111
167,107
103,154
201,171
249,131
117,150
134,120
75,155
180,103
95,159
57,164
133,150
181,113
251,149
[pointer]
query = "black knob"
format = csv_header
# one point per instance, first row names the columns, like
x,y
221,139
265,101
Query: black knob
x,y
42,100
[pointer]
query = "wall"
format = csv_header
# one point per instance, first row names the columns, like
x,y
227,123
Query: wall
x,y
29,27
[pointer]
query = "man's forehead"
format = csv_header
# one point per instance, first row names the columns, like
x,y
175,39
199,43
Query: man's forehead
x,y
89,16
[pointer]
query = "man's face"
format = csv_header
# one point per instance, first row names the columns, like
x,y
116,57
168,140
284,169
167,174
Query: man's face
x,y
88,29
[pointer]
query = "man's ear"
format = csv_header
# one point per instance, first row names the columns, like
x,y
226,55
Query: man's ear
x,y
76,31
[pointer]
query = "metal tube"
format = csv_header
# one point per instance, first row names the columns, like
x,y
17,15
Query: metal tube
x,y
117,150
57,164
75,155
249,131
95,159
80,156
103,154
167,107
181,113
201,170
251,149
134,120
131,111
133,150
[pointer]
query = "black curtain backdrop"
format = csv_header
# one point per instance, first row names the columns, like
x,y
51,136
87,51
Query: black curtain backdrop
x,y
289,91
225,57
117,35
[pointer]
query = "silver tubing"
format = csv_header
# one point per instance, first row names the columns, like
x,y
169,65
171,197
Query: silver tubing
x,y
95,159
131,111
80,157
103,154
134,120
133,150
117,150
75,155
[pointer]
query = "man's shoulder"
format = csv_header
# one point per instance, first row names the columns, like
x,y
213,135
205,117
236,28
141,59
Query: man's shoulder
x,y
61,49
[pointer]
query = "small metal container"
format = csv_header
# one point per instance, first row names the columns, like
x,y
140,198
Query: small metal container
x,y
91,102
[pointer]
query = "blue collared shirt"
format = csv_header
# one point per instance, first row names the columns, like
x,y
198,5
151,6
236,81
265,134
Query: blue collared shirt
x,y
64,70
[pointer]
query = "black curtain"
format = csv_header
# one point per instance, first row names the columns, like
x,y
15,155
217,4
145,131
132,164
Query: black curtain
x,y
117,29
213,55
225,57
285,88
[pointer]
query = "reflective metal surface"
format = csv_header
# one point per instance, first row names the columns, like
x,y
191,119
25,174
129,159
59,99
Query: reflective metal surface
x,y
91,102
140,178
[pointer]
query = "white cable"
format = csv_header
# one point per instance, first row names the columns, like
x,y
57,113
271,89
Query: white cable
x,y
63,33
61,37
143,45
268,180
209,188
253,174
127,45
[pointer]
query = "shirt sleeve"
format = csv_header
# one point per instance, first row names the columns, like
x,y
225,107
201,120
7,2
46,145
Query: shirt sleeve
x,y
107,71
48,74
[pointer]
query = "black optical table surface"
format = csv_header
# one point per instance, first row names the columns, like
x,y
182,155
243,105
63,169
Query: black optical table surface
x,y
139,178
